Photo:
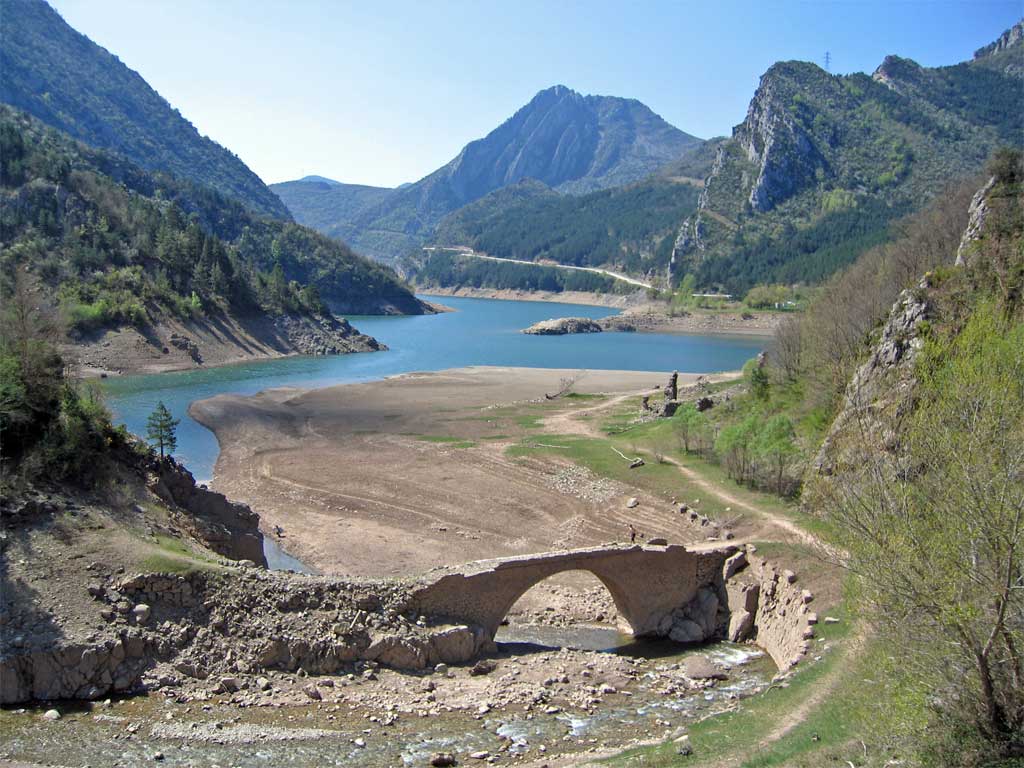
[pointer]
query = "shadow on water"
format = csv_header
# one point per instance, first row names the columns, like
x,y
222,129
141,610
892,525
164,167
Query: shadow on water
x,y
279,560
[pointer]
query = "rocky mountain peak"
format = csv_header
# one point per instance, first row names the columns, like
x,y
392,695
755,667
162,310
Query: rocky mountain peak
x,y
896,72
1010,38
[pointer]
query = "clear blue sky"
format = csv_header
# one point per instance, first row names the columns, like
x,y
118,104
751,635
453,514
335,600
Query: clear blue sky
x,y
380,92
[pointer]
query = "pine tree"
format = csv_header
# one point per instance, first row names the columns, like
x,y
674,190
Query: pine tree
x,y
160,430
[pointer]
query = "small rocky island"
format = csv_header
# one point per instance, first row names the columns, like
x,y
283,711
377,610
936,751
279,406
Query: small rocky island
x,y
563,325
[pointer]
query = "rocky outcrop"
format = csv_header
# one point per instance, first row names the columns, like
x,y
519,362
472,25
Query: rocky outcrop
x,y
1011,37
226,527
325,335
879,393
563,325
670,402
977,214
772,138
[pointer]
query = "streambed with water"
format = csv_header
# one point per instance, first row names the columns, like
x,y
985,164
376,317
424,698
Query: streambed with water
x,y
378,729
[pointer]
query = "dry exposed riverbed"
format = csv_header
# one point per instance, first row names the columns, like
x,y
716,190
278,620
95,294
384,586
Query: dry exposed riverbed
x,y
392,478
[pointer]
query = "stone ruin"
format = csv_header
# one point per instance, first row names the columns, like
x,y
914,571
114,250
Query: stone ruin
x,y
670,402
673,397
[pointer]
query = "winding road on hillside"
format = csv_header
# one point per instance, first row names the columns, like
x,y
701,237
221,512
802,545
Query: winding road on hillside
x,y
595,270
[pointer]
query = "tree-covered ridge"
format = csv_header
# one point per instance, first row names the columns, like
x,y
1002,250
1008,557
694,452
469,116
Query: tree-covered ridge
x,y
66,80
630,229
824,163
114,245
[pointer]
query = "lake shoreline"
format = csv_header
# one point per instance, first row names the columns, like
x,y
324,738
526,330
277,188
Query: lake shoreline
x,y
479,332
297,456
638,311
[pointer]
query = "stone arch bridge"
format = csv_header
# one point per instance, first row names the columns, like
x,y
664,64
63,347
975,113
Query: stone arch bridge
x,y
647,583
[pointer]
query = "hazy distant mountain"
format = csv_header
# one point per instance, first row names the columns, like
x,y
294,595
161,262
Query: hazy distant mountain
x,y
321,180
63,78
824,163
327,205
572,143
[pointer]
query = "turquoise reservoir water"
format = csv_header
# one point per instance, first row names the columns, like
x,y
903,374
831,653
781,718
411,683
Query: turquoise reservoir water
x,y
479,332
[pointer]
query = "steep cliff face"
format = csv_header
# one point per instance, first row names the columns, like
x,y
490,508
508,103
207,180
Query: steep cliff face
x,y
772,138
993,54
226,527
881,392
822,163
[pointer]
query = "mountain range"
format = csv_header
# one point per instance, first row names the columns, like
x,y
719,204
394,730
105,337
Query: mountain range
x,y
571,143
63,78
821,169
823,164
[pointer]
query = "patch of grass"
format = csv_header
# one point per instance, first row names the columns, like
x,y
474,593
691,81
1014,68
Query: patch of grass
x,y
496,437
529,421
159,563
448,440
620,418
456,442
171,555
584,396
825,736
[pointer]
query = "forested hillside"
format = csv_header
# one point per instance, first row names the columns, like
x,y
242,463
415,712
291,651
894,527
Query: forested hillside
x,y
67,81
631,229
328,206
892,411
440,268
115,245
824,163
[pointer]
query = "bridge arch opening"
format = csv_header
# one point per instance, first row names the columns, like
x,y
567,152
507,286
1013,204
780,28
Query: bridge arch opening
x,y
574,608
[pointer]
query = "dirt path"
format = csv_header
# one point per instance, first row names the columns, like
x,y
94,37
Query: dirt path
x,y
570,423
